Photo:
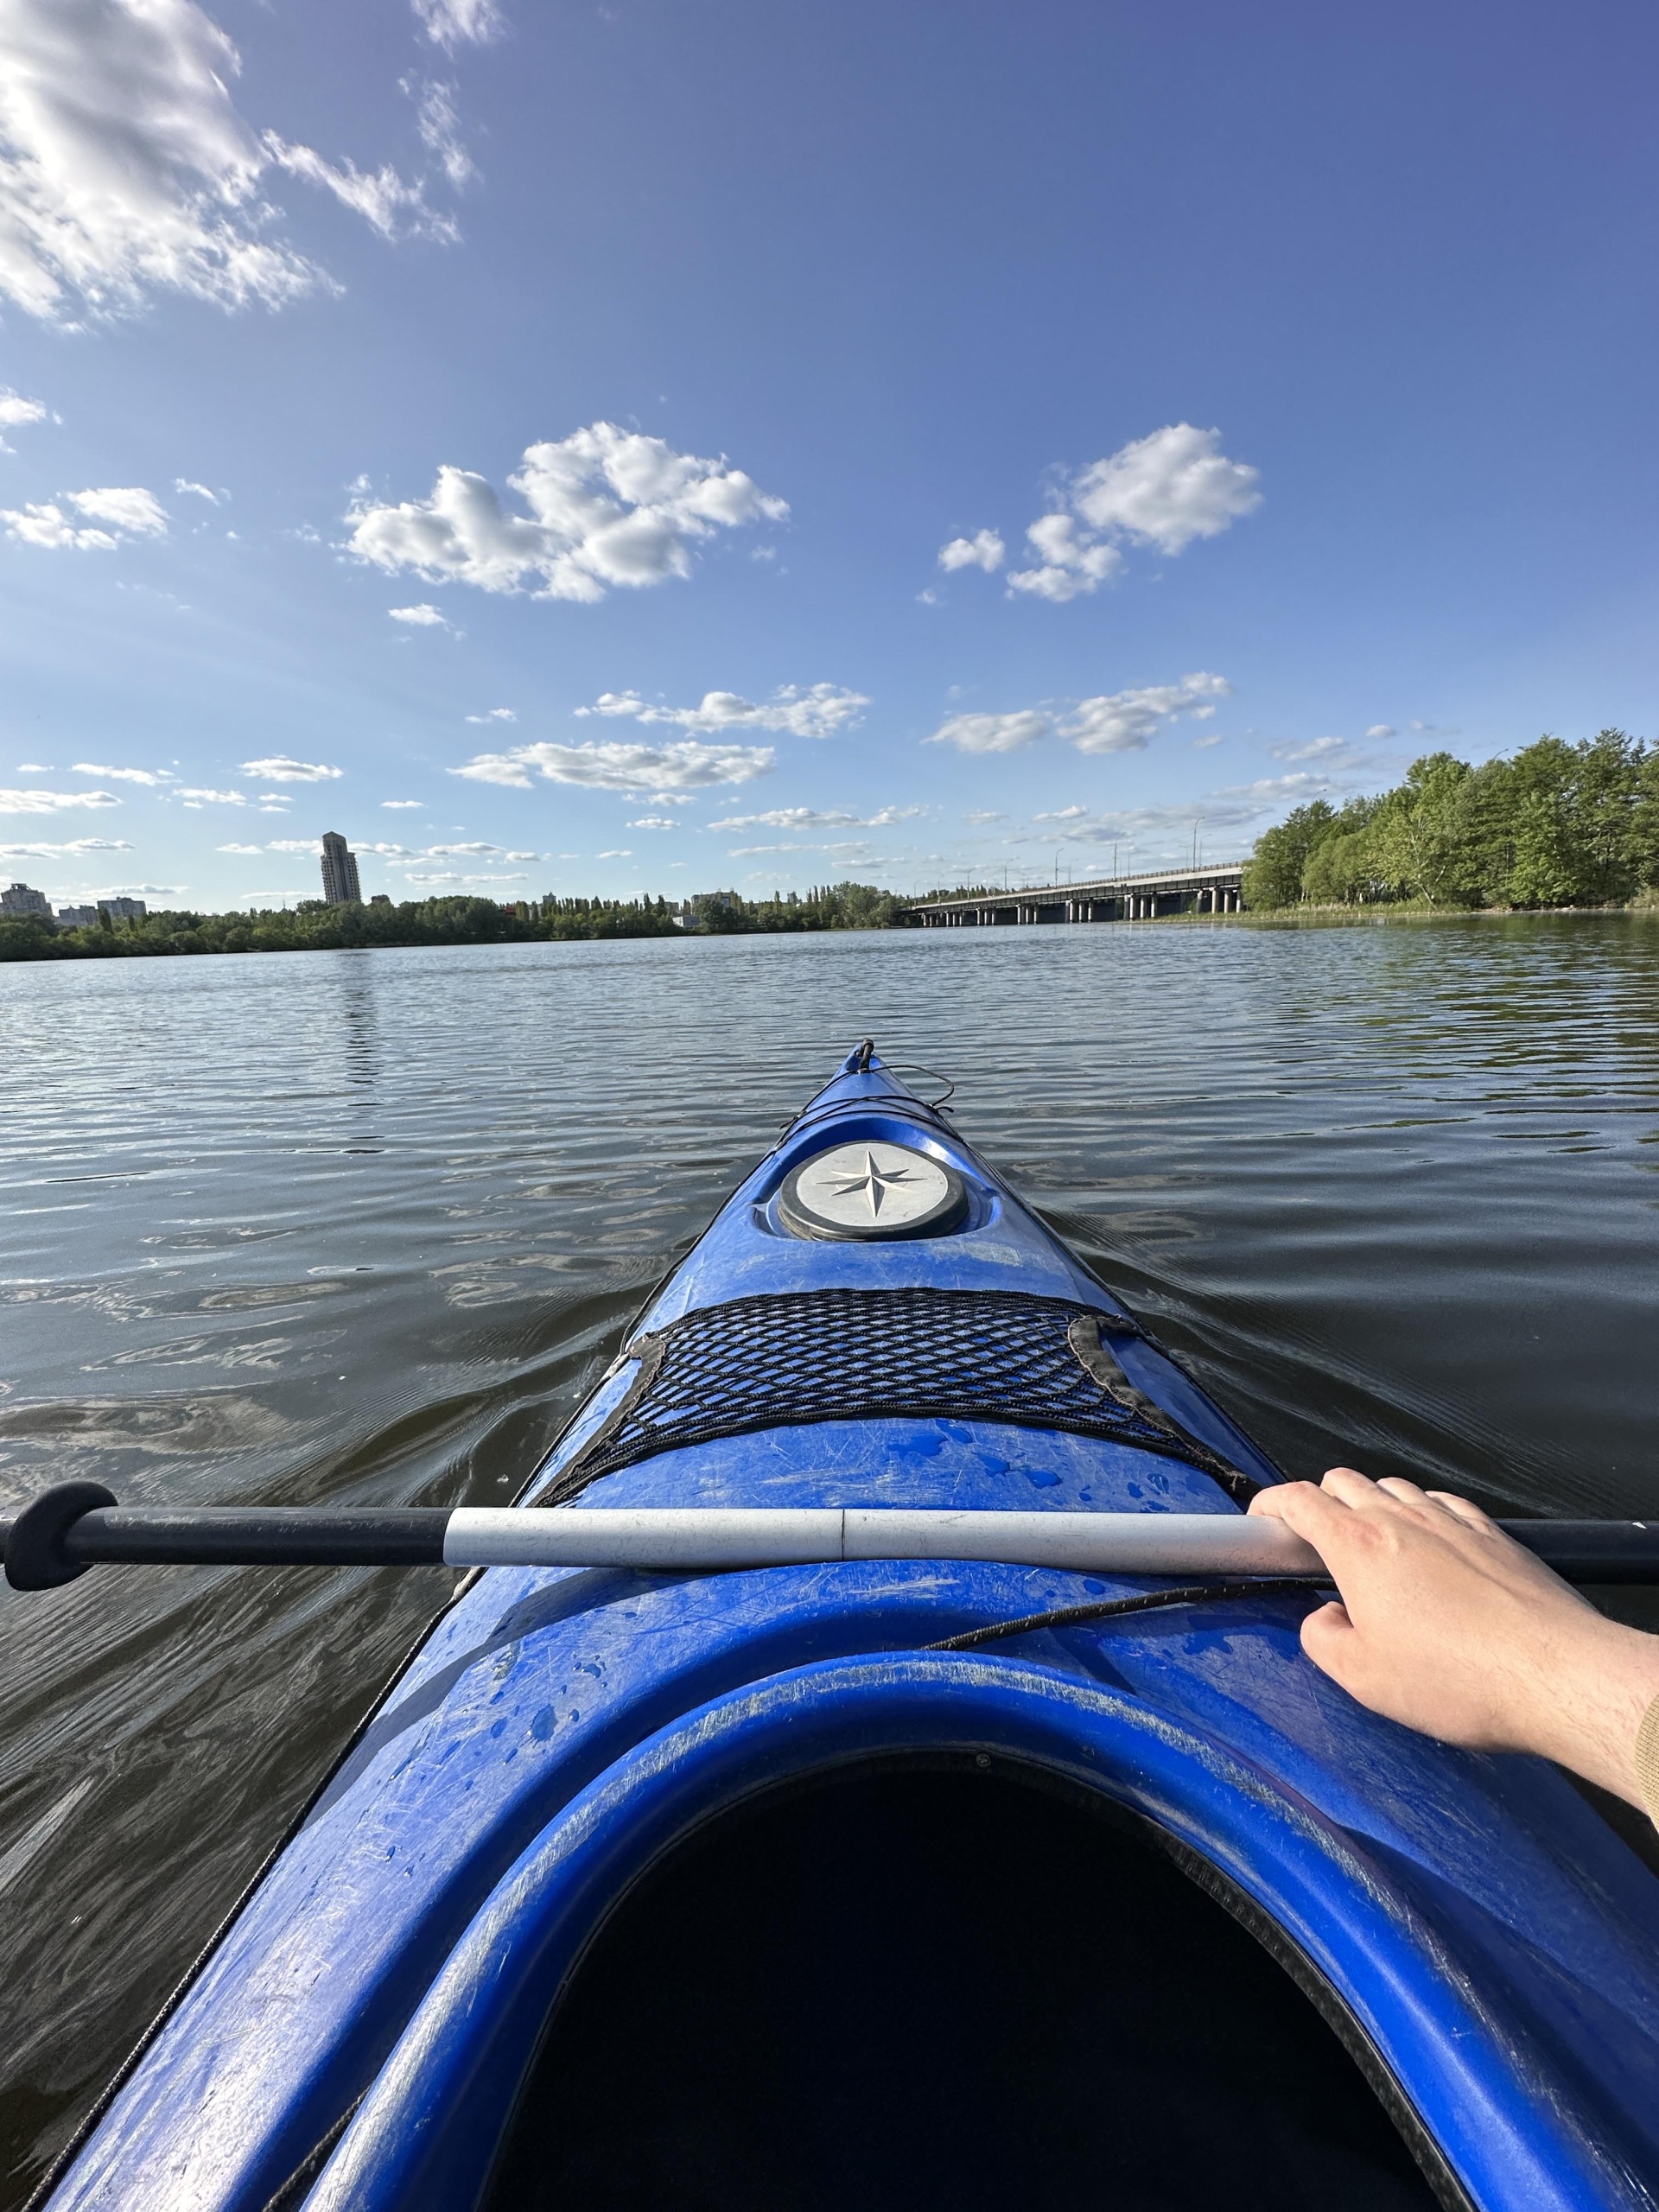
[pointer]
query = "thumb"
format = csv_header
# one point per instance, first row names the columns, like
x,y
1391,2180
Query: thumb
x,y
1330,1638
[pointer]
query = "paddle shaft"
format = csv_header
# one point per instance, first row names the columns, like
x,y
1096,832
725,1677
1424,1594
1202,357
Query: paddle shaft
x,y
79,1525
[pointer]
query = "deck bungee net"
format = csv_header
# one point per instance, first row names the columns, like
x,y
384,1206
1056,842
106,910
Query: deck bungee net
x,y
916,1354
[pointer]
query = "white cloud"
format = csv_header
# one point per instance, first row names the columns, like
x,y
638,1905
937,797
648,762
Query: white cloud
x,y
15,411
423,617
1318,748
124,775
617,853
47,524
440,129
235,849
1232,808
659,770
294,845
1382,729
984,550
195,796
130,511
72,850
402,806
1070,561
199,491
498,715
1168,489
450,23
40,802
279,769
808,818
125,168
1117,721
1162,491
992,733
653,822
124,165
1123,721
386,201
983,814
608,507
819,711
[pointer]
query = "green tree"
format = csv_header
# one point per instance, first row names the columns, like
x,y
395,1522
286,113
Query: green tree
x,y
1272,876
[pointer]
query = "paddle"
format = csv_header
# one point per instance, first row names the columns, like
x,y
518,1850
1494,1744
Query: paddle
x,y
77,1525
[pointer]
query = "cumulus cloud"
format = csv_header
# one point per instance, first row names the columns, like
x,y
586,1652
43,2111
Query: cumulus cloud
x,y
1070,561
1168,489
129,510
661,770
1163,491
195,796
235,849
653,822
984,550
15,411
126,168
608,508
1124,721
199,491
279,769
992,733
500,715
152,776
72,850
817,710
450,23
423,617
40,802
1380,729
402,806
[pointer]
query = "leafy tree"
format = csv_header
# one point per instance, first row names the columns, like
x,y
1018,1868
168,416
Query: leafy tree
x,y
1272,876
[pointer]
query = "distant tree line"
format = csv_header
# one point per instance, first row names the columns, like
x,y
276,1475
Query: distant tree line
x,y
315,927
1554,825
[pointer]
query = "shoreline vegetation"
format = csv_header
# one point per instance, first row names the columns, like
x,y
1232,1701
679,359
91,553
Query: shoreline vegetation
x,y
1554,828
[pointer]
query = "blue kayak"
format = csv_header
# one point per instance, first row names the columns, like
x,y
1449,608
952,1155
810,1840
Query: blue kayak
x,y
915,1883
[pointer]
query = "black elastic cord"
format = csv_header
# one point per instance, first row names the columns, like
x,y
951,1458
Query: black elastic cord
x,y
1196,1593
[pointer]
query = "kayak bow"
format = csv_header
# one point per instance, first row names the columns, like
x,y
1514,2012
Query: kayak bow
x,y
823,1796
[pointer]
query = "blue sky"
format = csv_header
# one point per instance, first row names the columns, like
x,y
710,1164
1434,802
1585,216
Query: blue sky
x,y
598,449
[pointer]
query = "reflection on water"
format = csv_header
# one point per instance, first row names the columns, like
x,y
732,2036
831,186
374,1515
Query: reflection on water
x,y
357,1227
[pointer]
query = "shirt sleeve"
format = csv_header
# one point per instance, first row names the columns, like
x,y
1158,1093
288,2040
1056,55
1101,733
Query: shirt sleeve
x,y
1647,1760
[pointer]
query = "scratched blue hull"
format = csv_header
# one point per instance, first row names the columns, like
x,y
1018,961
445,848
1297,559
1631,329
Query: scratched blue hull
x,y
1485,1947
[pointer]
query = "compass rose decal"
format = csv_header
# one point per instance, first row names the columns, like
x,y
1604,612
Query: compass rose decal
x,y
875,1182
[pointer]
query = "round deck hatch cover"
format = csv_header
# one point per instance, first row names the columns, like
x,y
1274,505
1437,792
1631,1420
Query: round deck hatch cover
x,y
872,1191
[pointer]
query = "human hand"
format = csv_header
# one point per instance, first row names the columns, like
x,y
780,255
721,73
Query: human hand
x,y
1449,1625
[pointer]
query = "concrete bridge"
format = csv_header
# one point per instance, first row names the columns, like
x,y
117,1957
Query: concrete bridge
x,y
1103,898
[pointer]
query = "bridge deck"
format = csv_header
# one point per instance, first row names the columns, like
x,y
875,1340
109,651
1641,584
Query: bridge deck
x,y
1102,898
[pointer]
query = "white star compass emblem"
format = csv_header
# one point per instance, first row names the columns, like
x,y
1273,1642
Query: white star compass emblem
x,y
871,1190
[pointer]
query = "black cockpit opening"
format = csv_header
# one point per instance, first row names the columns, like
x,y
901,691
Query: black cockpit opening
x,y
955,1985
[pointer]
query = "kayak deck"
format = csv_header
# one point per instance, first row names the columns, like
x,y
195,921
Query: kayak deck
x,y
573,1750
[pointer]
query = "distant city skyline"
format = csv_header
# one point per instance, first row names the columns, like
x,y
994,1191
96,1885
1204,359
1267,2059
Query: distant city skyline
x,y
1089,427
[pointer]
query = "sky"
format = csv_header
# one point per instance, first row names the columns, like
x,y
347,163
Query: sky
x,y
672,444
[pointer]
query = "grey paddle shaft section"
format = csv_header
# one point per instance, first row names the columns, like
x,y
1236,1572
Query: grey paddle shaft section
x,y
726,1536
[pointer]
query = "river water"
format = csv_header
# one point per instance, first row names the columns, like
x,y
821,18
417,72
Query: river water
x,y
360,1226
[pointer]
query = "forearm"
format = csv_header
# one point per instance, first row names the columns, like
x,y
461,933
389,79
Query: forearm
x,y
1596,1711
